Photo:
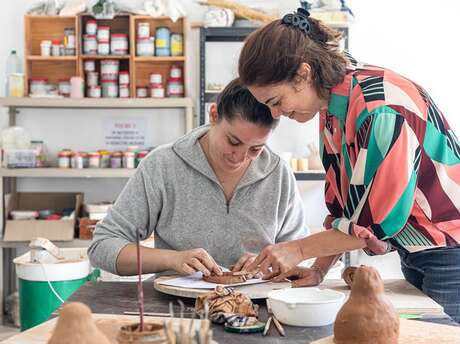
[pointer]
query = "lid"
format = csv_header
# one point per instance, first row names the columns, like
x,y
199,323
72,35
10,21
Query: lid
x,y
176,33
117,154
103,41
94,87
65,153
162,28
124,72
92,73
94,154
143,153
89,36
56,41
91,21
123,35
175,80
129,154
104,152
103,28
109,61
145,39
38,78
109,81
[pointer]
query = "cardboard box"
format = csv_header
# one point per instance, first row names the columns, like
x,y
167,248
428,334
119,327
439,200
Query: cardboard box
x,y
25,230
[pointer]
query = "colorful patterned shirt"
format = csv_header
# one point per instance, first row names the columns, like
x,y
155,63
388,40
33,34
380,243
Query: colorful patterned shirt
x,y
391,160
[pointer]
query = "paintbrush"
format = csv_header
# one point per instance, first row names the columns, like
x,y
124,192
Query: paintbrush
x,y
140,290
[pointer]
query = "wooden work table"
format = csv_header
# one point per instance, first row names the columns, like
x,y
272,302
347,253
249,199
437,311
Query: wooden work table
x,y
119,297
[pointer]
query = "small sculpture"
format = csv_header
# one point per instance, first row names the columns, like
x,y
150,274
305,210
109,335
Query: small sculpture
x,y
228,277
367,317
348,275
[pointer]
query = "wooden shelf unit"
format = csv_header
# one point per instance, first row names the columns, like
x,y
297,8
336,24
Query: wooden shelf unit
x,y
39,28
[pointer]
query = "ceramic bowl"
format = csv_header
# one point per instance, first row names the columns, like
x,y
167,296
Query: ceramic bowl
x,y
306,306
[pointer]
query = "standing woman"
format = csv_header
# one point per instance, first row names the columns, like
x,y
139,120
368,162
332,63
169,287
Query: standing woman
x,y
391,159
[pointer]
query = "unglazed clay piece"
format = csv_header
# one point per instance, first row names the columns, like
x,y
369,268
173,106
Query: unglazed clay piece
x,y
75,326
348,275
226,278
152,334
367,317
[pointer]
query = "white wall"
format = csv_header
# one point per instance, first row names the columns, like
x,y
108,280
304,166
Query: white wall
x,y
418,38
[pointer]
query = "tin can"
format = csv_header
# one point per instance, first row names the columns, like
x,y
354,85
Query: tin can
x,y
91,27
92,79
129,160
116,160
109,89
89,66
89,45
94,160
119,44
162,41
123,91
143,30
94,92
64,157
103,48
103,34
177,44
77,160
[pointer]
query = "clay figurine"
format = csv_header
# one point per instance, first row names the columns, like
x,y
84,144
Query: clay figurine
x,y
75,326
367,317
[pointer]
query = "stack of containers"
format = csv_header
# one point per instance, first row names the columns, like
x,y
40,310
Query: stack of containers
x,y
92,79
123,84
145,44
103,40
90,46
156,86
175,86
109,78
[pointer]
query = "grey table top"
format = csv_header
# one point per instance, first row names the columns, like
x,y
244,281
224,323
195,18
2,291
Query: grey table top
x,y
119,297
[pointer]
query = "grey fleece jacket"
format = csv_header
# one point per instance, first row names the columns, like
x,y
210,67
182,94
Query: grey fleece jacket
x,y
176,196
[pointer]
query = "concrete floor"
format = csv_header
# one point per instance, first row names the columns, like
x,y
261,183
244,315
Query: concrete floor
x,y
7,332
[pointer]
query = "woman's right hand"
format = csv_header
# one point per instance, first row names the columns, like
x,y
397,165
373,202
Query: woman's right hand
x,y
302,277
191,261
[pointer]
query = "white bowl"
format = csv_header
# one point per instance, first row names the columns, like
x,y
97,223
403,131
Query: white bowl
x,y
306,306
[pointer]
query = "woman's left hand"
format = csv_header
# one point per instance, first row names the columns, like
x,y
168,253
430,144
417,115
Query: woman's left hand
x,y
244,262
279,257
301,277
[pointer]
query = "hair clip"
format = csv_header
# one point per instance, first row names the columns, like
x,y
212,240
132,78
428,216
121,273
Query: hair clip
x,y
298,19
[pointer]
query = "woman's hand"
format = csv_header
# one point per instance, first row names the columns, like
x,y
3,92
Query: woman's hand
x,y
276,259
244,262
302,277
191,261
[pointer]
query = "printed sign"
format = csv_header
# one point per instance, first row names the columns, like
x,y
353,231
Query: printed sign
x,y
121,133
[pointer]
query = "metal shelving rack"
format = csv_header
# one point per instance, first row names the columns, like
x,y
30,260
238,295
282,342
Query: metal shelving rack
x,y
8,176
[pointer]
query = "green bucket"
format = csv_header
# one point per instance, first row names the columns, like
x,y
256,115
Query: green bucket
x,y
37,300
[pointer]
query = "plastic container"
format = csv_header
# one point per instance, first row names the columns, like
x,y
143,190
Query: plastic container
x,y
94,92
141,92
103,48
145,47
156,78
109,89
37,85
64,87
157,91
123,78
64,157
119,44
92,79
306,306
45,48
103,34
56,47
123,91
89,45
105,158
37,301
77,160
77,87
13,66
175,72
143,30
162,41
109,68
177,44
91,27
89,66
175,88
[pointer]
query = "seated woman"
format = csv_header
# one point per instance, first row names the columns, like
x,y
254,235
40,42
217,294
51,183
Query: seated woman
x,y
213,198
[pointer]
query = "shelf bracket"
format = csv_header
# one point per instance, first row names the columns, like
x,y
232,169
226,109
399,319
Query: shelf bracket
x,y
12,112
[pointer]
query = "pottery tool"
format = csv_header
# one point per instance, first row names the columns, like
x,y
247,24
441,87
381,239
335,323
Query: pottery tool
x,y
272,320
140,290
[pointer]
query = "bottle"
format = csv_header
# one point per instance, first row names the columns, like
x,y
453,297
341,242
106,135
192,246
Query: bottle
x,y
13,66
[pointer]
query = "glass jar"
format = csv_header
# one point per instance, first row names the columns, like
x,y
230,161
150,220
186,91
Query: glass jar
x,y
69,38
116,160
129,160
64,158
94,160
